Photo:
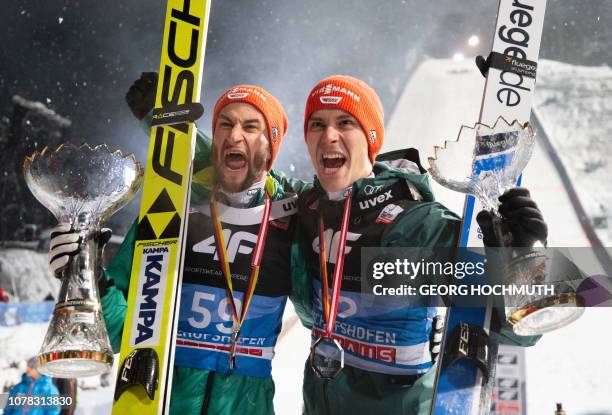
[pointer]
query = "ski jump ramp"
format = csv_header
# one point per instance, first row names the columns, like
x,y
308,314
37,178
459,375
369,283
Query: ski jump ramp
x,y
441,96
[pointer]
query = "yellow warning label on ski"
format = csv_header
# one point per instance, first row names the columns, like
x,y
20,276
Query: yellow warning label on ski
x,y
147,346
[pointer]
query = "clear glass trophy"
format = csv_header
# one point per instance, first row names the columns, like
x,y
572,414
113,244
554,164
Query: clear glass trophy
x,y
485,162
82,186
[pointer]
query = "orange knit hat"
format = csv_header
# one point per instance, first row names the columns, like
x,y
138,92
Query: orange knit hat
x,y
266,103
355,97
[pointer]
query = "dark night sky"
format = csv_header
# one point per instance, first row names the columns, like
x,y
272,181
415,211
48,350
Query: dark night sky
x,y
80,57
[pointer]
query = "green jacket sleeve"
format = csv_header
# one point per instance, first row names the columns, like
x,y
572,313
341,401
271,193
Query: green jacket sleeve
x,y
290,184
301,287
114,304
427,225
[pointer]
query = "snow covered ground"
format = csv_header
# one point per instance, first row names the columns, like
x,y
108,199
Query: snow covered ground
x,y
25,273
19,343
292,351
575,106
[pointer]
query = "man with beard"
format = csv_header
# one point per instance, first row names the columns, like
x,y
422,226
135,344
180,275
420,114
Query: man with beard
x,y
357,202
233,297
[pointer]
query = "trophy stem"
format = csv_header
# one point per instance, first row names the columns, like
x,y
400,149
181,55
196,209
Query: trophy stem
x,y
77,343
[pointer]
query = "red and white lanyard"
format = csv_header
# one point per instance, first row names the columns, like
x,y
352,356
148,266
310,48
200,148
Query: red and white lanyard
x,y
256,258
330,308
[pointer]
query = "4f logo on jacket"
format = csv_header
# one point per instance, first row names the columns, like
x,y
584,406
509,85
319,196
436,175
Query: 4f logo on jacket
x,y
332,240
237,243
368,203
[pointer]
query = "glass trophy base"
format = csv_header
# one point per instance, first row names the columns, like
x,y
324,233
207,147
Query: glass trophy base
x,y
546,314
74,363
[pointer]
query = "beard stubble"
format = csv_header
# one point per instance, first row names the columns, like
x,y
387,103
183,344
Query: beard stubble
x,y
256,167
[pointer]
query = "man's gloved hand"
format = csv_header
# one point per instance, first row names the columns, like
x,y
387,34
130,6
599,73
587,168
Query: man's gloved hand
x,y
141,95
522,218
483,64
64,244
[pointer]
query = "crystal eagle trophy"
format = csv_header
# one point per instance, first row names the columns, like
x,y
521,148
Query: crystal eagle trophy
x,y
82,186
487,170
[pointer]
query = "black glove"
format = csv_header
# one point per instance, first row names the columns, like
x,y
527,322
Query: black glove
x,y
522,221
483,64
141,95
64,244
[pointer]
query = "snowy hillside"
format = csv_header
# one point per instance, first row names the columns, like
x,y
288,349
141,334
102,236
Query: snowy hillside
x,y
575,106
24,273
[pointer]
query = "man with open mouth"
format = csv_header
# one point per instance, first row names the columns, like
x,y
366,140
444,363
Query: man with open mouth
x,y
237,273
387,345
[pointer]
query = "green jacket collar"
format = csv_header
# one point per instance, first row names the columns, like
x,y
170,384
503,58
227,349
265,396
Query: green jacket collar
x,y
386,175
201,195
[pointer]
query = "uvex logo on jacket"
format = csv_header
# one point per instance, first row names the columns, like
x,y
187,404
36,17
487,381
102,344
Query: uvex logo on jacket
x,y
376,200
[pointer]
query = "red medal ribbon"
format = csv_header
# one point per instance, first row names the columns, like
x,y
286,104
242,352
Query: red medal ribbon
x,y
256,258
330,308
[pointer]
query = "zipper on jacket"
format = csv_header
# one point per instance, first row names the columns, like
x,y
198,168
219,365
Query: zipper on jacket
x,y
326,397
207,392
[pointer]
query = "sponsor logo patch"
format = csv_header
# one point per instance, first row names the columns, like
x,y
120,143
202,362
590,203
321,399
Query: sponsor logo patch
x,y
370,190
242,92
150,297
389,213
238,95
332,240
330,100
235,244
372,136
336,90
